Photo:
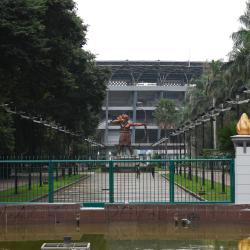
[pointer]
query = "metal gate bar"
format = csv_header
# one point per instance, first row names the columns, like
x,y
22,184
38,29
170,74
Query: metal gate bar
x,y
98,182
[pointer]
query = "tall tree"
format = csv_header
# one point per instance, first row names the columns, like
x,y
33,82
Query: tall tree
x,y
43,67
165,114
216,89
238,69
196,100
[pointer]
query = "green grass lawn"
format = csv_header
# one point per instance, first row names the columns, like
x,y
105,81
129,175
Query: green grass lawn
x,y
205,190
26,195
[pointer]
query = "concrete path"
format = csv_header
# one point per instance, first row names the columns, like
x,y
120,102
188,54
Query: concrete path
x,y
128,188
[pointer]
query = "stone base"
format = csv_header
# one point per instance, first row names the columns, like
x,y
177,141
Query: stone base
x,y
242,168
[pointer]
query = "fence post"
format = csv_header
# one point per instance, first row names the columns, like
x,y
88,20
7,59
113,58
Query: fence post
x,y
232,181
171,181
40,176
223,186
51,183
16,179
29,176
111,181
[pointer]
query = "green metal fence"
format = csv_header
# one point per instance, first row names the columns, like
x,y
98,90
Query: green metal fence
x,y
96,182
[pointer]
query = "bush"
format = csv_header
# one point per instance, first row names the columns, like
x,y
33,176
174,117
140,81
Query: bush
x,y
224,137
216,153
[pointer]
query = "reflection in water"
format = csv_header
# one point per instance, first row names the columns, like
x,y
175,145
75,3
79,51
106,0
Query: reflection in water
x,y
130,236
244,244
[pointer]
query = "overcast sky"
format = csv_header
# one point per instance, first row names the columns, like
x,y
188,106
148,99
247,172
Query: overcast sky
x,y
195,30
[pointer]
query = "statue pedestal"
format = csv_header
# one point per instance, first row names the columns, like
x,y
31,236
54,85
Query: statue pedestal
x,y
242,168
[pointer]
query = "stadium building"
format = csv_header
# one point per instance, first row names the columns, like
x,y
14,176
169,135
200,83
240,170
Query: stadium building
x,y
134,88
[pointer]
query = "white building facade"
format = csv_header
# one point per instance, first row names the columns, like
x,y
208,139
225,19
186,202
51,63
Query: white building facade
x,y
135,88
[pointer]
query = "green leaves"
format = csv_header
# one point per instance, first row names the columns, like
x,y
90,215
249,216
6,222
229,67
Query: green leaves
x,y
43,68
224,136
7,141
165,113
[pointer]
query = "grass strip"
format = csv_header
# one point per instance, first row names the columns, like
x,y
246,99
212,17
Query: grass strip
x,y
204,190
25,194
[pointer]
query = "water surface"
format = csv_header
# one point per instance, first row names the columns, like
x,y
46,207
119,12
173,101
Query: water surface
x,y
130,236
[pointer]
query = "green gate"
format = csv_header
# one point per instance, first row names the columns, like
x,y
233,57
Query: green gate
x,y
98,182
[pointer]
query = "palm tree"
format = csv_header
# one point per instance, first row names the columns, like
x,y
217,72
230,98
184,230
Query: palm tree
x,y
241,38
215,86
196,98
239,64
165,114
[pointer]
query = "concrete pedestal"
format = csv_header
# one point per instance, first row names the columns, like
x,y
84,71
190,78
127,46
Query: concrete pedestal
x,y
242,168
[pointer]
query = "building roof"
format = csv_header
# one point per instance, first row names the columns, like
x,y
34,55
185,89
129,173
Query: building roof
x,y
163,73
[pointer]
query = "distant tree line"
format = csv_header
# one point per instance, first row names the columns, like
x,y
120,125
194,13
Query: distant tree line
x,y
45,72
222,85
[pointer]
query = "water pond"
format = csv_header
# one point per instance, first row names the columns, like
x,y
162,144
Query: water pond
x,y
130,236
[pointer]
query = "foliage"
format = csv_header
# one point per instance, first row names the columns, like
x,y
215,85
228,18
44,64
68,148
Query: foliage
x,y
205,91
225,133
216,153
220,82
196,99
36,191
7,141
43,68
237,70
203,190
165,114
156,156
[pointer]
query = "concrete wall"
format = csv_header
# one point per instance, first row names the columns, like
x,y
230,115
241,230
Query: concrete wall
x,y
66,214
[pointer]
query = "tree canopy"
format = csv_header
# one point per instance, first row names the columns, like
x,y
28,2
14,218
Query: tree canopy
x,y
44,69
222,83
165,114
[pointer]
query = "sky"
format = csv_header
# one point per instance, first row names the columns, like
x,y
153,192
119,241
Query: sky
x,y
167,30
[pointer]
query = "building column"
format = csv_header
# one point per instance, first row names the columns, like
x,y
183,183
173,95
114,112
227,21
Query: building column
x,y
159,129
134,115
106,118
158,134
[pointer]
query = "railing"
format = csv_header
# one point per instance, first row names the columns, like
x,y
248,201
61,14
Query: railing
x,y
96,182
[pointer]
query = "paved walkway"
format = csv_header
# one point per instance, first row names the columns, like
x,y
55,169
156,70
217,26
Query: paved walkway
x,y
128,188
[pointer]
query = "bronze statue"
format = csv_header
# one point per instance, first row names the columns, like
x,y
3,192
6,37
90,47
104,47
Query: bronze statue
x,y
125,135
